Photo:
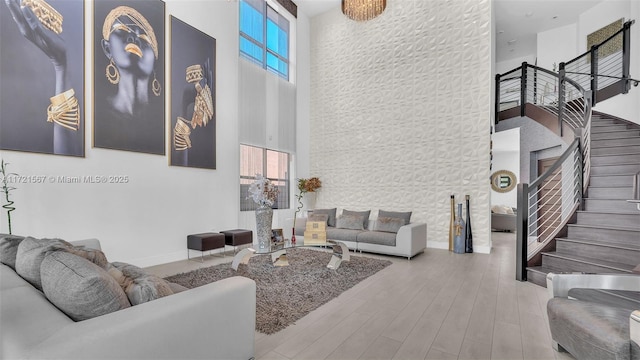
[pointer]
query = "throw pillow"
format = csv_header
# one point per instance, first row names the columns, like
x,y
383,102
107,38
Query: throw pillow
x,y
353,222
30,254
406,216
79,288
388,224
139,286
330,212
95,256
364,214
319,217
9,249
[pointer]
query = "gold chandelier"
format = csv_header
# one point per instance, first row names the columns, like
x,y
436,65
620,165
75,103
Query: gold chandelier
x,y
362,10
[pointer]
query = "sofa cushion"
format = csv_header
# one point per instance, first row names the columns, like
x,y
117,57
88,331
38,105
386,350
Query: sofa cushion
x,y
139,286
9,249
589,331
343,234
353,222
406,216
330,212
319,217
365,216
80,288
388,224
31,252
377,238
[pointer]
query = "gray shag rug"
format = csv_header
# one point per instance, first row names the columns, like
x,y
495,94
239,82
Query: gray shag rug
x,y
285,294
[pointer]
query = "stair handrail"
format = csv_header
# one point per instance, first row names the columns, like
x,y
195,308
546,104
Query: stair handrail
x,y
519,88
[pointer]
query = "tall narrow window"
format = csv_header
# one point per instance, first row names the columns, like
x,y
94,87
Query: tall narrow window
x,y
274,165
264,36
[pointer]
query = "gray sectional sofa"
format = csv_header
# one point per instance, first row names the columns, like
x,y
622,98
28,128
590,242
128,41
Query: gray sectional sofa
x,y
375,235
215,321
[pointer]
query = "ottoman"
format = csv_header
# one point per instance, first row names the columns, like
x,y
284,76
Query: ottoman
x,y
237,237
204,242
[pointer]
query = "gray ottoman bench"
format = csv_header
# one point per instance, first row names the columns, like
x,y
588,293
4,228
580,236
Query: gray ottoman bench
x,y
237,237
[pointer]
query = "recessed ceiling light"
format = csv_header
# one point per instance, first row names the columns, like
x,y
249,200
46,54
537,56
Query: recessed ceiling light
x,y
512,41
500,31
529,14
554,17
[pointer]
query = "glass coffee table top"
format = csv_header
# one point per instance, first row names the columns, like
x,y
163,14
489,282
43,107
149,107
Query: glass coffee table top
x,y
279,254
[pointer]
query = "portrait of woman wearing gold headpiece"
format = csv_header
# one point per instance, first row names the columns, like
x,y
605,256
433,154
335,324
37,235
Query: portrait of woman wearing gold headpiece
x,y
41,92
129,76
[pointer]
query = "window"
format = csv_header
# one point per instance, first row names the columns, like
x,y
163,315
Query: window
x,y
273,164
264,36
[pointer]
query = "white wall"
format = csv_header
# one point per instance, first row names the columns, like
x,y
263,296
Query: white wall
x,y
557,45
146,220
624,106
508,65
400,112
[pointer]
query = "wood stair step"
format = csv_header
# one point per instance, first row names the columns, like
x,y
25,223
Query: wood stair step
x,y
572,263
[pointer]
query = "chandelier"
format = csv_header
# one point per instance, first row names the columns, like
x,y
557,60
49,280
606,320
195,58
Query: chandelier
x,y
362,10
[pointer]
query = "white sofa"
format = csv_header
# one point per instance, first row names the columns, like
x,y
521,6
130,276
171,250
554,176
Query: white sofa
x,y
215,321
410,240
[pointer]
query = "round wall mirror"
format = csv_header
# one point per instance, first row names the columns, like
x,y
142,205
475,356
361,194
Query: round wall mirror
x,y
503,181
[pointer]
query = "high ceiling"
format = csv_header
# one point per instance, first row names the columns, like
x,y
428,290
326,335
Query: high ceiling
x,y
518,20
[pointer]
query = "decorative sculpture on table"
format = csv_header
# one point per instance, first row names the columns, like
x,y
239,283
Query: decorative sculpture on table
x,y
304,186
263,193
6,189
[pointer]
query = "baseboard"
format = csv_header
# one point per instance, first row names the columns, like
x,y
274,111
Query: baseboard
x,y
445,246
172,257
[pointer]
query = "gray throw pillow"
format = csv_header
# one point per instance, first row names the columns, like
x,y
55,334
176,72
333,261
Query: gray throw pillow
x,y
79,288
406,216
388,224
139,286
30,254
353,222
9,249
364,214
319,217
330,212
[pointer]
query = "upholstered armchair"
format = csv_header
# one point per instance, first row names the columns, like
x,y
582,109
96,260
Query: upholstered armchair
x,y
595,316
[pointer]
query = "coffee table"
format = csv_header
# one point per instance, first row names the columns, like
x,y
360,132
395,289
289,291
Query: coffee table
x,y
279,256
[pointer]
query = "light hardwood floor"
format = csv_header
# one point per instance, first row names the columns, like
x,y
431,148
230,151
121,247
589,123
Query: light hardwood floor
x,y
439,305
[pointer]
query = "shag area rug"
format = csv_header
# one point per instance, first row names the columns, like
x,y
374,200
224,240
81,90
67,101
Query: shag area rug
x,y
287,293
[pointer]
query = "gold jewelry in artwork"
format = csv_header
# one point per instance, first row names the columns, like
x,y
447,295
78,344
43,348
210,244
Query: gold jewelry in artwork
x,y
64,110
194,73
112,73
155,86
46,14
136,18
203,107
181,132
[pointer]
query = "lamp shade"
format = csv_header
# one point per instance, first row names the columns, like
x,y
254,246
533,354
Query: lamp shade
x,y
362,10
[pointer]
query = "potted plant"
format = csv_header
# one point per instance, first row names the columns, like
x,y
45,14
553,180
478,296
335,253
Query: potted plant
x,y
304,186
7,189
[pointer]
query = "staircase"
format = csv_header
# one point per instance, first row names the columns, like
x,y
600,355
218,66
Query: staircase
x,y
605,237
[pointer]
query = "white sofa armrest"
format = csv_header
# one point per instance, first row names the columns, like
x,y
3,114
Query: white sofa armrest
x,y
558,285
214,321
634,327
412,238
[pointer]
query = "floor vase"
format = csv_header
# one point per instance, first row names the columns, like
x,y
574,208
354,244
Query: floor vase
x,y
451,222
468,235
459,230
264,217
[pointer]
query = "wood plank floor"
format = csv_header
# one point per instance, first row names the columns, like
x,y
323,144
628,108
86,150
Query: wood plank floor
x,y
439,305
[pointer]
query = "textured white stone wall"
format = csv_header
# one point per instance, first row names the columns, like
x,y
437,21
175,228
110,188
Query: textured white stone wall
x,y
400,112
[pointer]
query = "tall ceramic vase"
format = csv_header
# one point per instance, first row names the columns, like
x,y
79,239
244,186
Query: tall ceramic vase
x,y
451,223
459,229
264,217
468,236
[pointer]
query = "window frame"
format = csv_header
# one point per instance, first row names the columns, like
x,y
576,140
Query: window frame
x,y
264,12
285,190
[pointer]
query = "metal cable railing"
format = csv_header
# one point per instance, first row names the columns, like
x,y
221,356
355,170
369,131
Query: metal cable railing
x,y
546,205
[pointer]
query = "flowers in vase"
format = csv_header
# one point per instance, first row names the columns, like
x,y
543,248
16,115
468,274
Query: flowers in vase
x,y
305,186
263,191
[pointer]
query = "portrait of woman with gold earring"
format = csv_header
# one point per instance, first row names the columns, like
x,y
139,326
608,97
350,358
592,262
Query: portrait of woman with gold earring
x,y
129,93
42,98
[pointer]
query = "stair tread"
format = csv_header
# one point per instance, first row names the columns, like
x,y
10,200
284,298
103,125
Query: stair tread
x,y
611,186
592,261
621,154
621,228
602,243
611,212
